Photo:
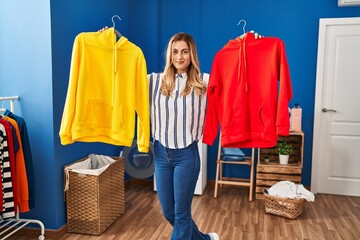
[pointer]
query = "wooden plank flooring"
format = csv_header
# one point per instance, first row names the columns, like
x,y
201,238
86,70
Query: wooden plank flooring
x,y
233,217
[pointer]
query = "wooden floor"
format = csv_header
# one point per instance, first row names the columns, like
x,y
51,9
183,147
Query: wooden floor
x,y
233,217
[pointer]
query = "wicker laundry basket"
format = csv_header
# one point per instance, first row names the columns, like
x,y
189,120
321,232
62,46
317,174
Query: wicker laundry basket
x,y
285,207
95,202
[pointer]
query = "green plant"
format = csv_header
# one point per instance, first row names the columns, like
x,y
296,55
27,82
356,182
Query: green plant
x,y
266,158
285,148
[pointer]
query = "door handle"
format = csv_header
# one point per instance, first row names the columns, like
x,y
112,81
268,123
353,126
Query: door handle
x,y
328,110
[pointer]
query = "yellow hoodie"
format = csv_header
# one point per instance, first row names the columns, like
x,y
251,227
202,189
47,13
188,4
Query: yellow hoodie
x,y
107,85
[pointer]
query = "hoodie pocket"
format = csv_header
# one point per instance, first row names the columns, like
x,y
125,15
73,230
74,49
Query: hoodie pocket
x,y
245,118
100,114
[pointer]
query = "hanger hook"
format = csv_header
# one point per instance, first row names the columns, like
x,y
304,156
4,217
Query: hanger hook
x,y
242,20
112,19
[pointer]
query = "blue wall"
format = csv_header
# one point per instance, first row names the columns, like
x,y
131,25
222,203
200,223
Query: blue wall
x,y
25,70
36,42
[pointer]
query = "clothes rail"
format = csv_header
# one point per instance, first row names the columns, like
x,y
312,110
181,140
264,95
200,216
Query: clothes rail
x,y
12,101
10,226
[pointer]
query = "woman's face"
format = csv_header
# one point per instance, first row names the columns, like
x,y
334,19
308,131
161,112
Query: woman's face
x,y
180,56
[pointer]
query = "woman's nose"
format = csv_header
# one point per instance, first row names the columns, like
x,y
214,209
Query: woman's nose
x,y
179,56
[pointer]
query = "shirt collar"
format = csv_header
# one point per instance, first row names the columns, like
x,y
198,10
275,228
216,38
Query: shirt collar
x,y
180,81
181,75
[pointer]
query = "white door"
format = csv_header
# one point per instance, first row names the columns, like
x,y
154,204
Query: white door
x,y
336,146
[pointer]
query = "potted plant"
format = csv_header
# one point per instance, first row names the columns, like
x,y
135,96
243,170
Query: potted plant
x,y
285,150
266,158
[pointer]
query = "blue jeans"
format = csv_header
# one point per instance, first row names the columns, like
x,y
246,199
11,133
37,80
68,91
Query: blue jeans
x,y
176,172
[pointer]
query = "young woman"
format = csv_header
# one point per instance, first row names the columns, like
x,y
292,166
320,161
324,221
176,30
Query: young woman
x,y
178,104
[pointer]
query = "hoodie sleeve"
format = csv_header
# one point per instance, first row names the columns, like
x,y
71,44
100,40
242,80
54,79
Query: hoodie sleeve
x,y
211,118
285,95
142,107
69,107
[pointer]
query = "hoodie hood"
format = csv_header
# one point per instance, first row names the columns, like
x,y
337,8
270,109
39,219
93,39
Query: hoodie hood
x,y
240,43
108,39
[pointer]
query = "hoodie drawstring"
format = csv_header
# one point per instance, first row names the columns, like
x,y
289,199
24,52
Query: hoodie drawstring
x,y
114,67
242,66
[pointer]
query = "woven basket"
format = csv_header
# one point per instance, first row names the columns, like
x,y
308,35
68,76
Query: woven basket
x,y
285,207
95,202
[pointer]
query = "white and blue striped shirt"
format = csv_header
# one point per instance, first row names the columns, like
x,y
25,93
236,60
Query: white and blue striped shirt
x,y
176,121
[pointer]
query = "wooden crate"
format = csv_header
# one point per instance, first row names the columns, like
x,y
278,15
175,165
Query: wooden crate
x,y
268,174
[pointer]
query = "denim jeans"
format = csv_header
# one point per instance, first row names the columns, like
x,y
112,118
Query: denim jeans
x,y
176,172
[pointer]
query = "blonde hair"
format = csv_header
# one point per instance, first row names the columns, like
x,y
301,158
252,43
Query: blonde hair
x,y
194,81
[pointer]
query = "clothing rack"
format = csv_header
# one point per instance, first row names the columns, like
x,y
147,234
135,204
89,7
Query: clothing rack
x,y
12,101
9,226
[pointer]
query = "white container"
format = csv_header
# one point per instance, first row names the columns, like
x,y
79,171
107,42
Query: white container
x,y
296,115
284,159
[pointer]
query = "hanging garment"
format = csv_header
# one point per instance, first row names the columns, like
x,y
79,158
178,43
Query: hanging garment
x,y
7,173
243,93
22,192
107,86
25,142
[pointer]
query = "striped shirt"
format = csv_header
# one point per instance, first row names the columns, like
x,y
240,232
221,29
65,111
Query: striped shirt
x,y
176,121
8,205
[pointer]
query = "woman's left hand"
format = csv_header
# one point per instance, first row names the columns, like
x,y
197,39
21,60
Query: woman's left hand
x,y
256,35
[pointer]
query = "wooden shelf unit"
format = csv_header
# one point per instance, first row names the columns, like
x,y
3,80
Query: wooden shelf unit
x,y
268,174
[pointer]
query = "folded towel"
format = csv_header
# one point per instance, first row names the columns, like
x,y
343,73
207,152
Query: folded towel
x,y
233,152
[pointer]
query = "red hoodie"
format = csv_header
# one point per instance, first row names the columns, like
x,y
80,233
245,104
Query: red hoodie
x,y
244,94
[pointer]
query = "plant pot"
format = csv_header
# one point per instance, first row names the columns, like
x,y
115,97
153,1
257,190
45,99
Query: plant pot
x,y
266,160
284,159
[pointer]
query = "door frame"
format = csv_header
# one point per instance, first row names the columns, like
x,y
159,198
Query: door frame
x,y
324,23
